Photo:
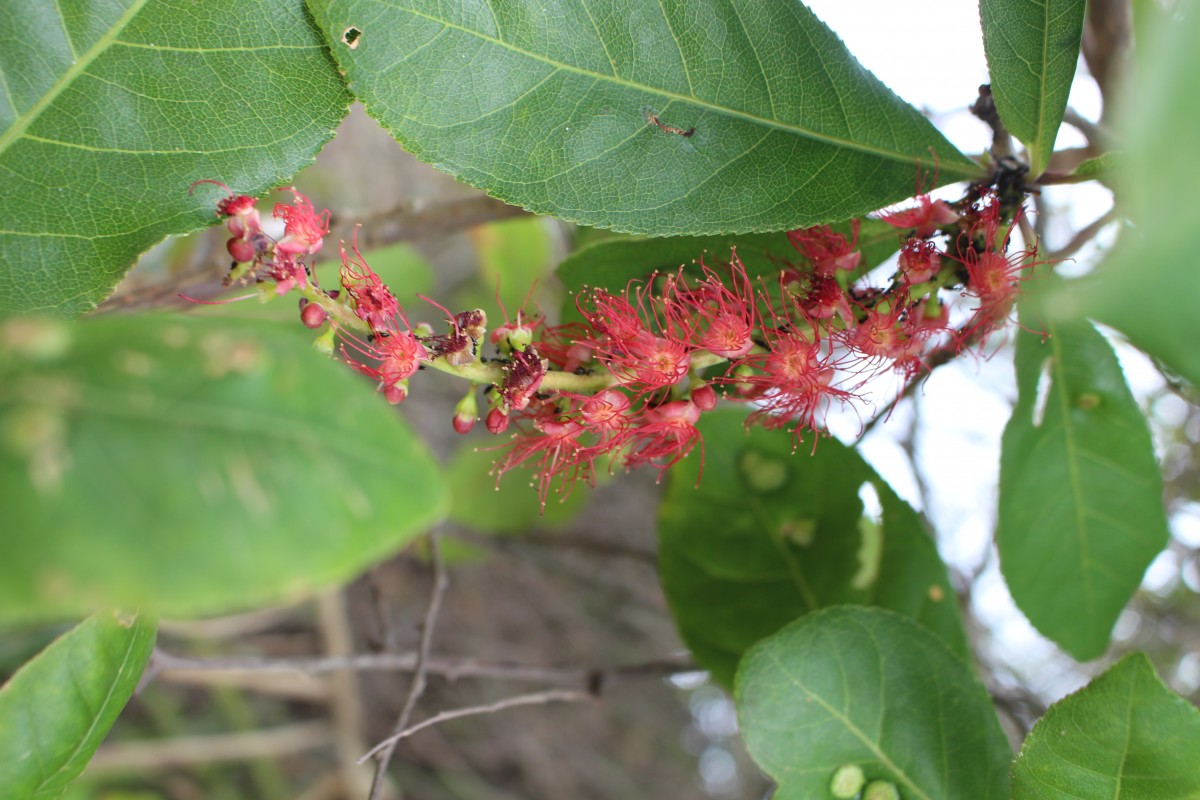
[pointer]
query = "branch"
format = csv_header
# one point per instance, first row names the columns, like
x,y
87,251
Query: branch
x,y
418,682
1084,236
535,698
410,222
168,664
185,750
1107,40
984,108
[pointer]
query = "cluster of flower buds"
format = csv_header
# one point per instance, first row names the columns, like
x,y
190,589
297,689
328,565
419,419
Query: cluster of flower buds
x,y
629,384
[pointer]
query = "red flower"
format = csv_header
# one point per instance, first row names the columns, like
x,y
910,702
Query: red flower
x,y
827,251
665,434
723,317
522,375
926,218
919,261
553,449
374,302
304,229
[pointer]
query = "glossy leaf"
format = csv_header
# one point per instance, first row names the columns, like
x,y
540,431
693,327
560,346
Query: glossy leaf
x,y
1032,47
765,121
1081,510
59,707
1148,288
193,466
867,687
1124,735
613,263
108,112
769,535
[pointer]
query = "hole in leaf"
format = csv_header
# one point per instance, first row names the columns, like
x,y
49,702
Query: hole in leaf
x,y
351,36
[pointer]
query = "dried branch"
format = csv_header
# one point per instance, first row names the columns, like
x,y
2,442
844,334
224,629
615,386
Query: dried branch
x,y
185,750
534,698
417,689
169,666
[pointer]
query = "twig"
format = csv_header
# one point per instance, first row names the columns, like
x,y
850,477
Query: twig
x,y
1084,236
534,698
1097,135
409,223
167,664
984,108
184,750
418,682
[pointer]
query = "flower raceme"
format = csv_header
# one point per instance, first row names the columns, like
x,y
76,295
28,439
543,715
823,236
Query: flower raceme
x,y
628,385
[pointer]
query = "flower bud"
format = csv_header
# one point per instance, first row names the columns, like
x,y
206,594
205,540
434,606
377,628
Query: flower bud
x,y
242,251
312,315
497,421
466,412
396,392
704,397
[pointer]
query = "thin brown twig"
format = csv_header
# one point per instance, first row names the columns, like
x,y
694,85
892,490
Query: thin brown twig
x,y
534,698
187,750
386,749
1085,235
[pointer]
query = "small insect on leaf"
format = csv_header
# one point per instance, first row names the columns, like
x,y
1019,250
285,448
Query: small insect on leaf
x,y
653,119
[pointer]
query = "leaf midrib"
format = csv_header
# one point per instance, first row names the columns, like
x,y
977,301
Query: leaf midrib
x,y
676,96
875,749
23,121
1061,384
129,650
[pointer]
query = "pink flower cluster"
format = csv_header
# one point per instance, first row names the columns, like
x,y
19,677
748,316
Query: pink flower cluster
x,y
629,385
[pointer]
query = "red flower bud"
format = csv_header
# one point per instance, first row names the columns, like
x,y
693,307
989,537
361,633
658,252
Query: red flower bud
x,y
313,315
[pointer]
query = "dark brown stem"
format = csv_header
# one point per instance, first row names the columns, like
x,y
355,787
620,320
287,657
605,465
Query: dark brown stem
x,y
984,108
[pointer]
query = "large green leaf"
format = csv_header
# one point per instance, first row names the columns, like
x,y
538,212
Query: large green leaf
x,y
1125,735
108,111
866,687
770,535
192,466
1032,47
1081,511
58,708
552,106
1148,289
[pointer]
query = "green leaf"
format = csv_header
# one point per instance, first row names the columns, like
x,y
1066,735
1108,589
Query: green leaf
x,y
867,687
192,466
1124,735
613,263
1032,47
769,535
550,105
108,112
1081,510
58,708
1100,167
1148,288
